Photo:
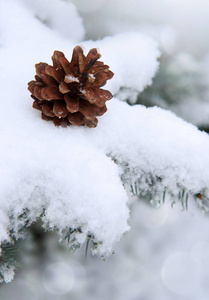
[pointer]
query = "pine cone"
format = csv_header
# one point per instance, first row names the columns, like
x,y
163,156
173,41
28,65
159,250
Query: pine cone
x,y
69,92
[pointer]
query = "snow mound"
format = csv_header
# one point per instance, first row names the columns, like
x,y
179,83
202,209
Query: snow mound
x,y
154,144
58,15
132,56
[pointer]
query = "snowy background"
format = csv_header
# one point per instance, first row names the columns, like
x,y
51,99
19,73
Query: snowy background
x,y
75,174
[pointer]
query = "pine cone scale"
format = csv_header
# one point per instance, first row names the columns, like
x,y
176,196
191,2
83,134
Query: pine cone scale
x,y
99,111
100,68
57,74
31,86
86,109
60,121
62,62
46,118
104,94
64,88
101,79
72,103
69,92
47,109
38,80
92,54
91,63
75,60
93,96
40,71
56,64
76,119
37,92
59,109
51,93
80,62
36,105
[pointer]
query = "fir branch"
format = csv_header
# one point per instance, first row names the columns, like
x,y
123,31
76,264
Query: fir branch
x,y
9,260
157,197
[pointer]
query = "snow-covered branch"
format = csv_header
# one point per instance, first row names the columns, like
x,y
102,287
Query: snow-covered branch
x,y
75,178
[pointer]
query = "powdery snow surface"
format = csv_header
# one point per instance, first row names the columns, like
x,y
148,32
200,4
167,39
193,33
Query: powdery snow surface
x,y
59,16
55,169
132,58
155,142
69,172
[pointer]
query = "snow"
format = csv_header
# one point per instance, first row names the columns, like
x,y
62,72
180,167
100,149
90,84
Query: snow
x,y
8,273
49,168
107,17
74,174
180,85
60,16
147,264
154,141
71,78
127,54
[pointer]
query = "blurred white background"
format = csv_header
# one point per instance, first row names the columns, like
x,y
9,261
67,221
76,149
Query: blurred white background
x,y
185,21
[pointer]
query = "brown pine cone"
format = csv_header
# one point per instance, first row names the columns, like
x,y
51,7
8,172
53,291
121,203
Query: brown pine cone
x,y
69,92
